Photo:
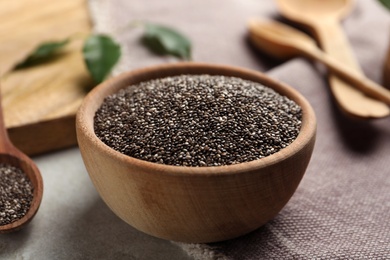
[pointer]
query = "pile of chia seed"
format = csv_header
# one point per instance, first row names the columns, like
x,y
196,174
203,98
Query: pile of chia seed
x,y
16,194
198,120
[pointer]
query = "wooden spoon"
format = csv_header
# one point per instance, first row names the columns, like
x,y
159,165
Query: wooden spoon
x,y
10,155
323,18
284,42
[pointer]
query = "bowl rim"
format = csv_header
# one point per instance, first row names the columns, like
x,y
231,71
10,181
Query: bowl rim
x,y
94,99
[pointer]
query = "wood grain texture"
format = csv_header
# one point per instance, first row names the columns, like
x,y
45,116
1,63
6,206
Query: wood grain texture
x,y
193,204
38,99
323,19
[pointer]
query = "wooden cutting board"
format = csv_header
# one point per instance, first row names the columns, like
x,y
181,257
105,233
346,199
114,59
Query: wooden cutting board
x,y
40,102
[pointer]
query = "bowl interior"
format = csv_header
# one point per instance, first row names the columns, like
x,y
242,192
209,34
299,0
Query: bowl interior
x,y
33,174
96,97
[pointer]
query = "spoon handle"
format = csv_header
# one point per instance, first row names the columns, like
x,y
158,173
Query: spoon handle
x,y
333,41
5,143
358,80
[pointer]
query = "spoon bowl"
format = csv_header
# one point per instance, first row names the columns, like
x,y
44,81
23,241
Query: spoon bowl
x,y
10,155
313,11
278,40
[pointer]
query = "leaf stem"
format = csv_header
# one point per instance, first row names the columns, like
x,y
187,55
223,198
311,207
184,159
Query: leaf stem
x,y
130,25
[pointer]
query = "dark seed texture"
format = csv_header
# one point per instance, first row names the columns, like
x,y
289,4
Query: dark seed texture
x,y
198,120
16,194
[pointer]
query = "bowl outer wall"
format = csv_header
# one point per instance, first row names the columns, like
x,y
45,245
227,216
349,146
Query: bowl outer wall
x,y
193,204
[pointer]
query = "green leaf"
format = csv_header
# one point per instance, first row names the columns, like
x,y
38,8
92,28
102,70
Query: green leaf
x,y
101,53
386,3
42,53
164,40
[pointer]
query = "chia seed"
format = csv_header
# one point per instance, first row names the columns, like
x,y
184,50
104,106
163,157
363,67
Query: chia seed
x,y
16,194
198,120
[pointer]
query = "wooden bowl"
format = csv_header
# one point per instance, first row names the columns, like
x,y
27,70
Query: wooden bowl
x,y
193,204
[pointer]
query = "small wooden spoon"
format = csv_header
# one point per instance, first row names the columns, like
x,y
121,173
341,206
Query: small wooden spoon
x,y
323,18
284,42
10,155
